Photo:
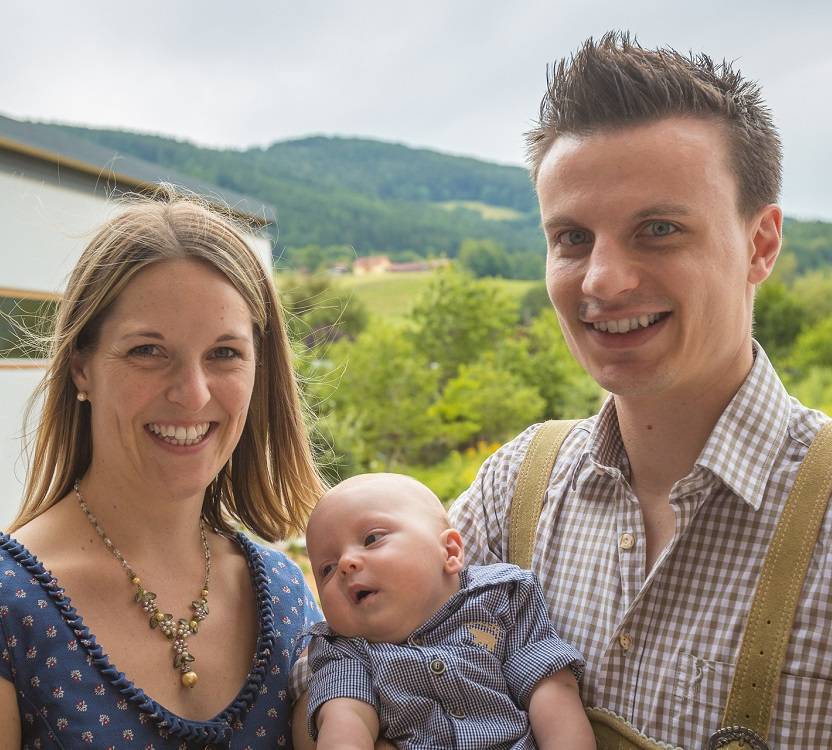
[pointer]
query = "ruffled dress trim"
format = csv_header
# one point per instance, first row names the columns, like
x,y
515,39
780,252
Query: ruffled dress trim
x,y
214,730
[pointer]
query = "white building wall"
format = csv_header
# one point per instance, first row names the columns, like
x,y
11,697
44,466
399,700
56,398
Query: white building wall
x,y
43,229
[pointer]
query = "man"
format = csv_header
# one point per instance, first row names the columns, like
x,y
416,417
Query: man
x,y
657,177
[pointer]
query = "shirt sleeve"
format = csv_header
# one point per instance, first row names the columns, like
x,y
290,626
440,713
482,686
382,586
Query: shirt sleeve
x,y
338,669
479,514
534,650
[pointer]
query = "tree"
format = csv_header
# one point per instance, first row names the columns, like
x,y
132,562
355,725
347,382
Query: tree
x,y
541,359
484,258
778,318
380,413
458,319
485,403
317,313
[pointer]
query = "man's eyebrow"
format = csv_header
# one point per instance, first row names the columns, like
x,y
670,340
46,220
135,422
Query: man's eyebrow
x,y
662,209
559,220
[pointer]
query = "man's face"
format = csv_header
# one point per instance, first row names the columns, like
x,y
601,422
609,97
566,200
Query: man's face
x,y
650,266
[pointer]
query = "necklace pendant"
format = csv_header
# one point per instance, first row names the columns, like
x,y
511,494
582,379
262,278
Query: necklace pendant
x,y
189,679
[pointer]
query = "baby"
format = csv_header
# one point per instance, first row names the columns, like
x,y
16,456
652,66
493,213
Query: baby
x,y
416,646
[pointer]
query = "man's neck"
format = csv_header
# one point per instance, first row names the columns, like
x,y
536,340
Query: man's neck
x,y
664,436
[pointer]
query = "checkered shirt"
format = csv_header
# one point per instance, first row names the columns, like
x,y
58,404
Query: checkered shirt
x,y
460,678
661,647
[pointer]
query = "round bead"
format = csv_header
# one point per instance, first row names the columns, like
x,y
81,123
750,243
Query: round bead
x,y
159,617
135,580
194,624
189,679
204,593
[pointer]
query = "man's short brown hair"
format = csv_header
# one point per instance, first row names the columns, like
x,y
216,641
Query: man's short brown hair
x,y
615,83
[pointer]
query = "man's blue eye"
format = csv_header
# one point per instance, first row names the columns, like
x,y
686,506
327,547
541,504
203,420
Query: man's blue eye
x,y
573,237
661,228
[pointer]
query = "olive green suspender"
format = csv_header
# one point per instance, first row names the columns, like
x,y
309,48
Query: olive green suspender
x,y
746,719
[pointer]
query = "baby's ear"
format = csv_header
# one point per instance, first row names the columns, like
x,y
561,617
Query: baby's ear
x,y
452,542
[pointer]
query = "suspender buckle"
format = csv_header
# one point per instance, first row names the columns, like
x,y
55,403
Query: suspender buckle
x,y
747,737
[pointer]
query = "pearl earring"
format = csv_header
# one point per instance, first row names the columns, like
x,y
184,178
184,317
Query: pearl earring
x,y
81,395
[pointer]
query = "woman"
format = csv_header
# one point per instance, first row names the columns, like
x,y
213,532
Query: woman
x,y
132,612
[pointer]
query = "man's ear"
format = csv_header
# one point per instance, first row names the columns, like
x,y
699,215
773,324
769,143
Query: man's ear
x,y
452,542
766,239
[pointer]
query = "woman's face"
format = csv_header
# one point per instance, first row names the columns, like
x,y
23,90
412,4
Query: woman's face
x,y
170,379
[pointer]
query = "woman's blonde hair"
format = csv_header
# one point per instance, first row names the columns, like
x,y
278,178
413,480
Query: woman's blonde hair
x,y
270,482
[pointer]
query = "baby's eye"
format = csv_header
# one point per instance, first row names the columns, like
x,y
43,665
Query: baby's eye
x,y
325,570
372,538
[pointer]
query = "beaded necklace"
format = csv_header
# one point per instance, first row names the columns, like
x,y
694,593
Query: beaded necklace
x,y
176,632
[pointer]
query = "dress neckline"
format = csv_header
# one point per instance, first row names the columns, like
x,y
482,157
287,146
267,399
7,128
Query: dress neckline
x,y
211,730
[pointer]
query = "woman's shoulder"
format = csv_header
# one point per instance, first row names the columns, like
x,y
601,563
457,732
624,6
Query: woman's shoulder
x,y
275,570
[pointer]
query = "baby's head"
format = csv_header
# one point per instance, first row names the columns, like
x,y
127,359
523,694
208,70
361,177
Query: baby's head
x,y
383,555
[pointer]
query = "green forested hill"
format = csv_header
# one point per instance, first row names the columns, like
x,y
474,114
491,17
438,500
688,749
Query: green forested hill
x,y
343,191
384,197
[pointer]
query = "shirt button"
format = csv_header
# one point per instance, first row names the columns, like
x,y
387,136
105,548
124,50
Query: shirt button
x,y
437,666
626,540
457,714
414,640
625,641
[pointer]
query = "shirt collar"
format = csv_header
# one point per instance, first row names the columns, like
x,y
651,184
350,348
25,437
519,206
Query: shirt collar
x,y
743,445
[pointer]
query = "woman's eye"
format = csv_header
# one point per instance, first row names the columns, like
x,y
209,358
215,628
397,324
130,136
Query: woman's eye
x,y
145,350
372,538
660,228
573,237
225,352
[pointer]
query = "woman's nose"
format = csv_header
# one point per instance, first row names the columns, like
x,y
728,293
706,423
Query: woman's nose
x,y
190,387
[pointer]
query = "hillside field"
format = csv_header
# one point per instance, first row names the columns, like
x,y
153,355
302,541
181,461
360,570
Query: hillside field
x,y
392,295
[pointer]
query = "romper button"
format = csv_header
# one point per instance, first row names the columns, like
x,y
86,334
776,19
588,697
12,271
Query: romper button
x,y
625,641
626,540
455,715
414,640
437,666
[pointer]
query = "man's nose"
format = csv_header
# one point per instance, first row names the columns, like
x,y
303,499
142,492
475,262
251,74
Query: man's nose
x,y
190,387
612,270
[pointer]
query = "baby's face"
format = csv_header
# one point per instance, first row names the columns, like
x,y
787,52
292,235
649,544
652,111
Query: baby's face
x,y
381,557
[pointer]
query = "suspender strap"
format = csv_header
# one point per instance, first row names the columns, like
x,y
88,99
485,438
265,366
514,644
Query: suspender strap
x,y
769,626
532,481
753,691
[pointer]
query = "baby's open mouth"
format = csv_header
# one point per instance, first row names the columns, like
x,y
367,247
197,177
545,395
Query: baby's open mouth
x,y
361,594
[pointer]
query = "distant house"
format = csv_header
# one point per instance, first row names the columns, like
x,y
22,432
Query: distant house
x,y
370,264
55,189
383,264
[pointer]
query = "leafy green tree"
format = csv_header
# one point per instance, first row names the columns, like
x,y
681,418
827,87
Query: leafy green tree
x,y
541,359
813,292
484,258
812,348
458,319
318,313
380,413
778,318
485,403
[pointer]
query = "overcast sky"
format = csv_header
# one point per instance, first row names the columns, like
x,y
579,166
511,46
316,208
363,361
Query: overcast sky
x,y
459,76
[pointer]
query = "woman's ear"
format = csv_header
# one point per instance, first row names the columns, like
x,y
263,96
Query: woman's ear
x,y
78,371
452,542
